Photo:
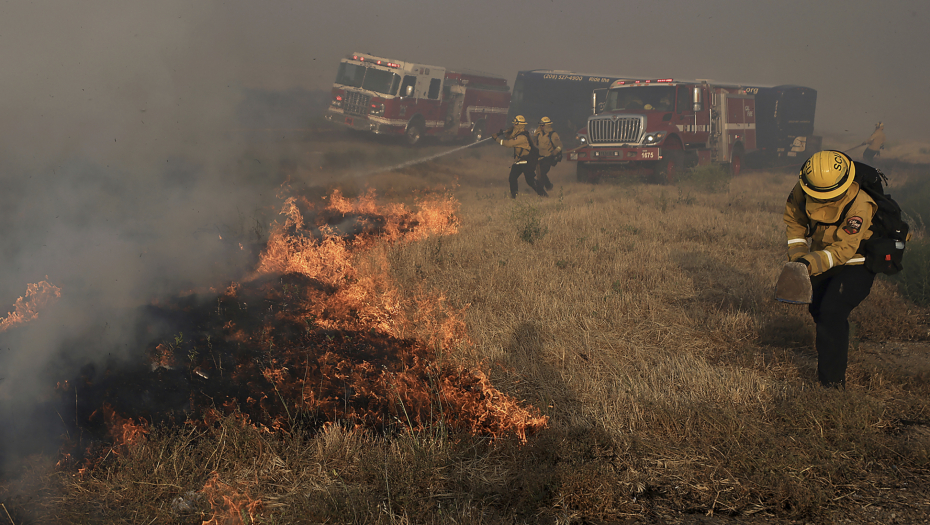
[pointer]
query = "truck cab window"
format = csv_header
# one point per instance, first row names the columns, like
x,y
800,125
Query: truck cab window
x,y
684,99
434,87
410,82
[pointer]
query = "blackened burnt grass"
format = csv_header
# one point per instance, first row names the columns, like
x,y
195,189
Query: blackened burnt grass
x,y
643,327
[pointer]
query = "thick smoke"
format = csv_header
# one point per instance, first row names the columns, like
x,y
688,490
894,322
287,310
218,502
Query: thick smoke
x,y
121,180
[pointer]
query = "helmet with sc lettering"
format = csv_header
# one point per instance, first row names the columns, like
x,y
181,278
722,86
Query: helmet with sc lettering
x,y
545,120
519,121
827,174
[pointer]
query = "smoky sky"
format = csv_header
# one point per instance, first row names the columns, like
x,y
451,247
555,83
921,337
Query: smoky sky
x,y
76,72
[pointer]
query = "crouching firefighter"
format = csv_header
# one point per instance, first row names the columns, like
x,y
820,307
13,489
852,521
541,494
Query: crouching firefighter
x,y
525,156
550,150
827,221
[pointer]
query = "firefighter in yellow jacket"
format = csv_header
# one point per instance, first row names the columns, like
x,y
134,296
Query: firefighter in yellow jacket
x,y
524,160
827,218
550,151
874,144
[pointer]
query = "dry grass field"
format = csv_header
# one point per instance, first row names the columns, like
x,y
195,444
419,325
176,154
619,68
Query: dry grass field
x,y
638,319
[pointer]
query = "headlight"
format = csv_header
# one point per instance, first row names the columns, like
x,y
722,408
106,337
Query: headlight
x,y
581,138
652,139
336,102
377,109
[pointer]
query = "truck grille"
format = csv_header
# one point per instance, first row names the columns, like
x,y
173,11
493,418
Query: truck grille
x,y
606,130
356,103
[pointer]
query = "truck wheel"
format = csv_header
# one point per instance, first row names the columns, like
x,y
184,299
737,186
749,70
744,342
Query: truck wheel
x,y
667,170
478,134
414,133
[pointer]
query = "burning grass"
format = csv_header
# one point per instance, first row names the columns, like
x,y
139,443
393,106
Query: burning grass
x,y
317,335
641,325
38,296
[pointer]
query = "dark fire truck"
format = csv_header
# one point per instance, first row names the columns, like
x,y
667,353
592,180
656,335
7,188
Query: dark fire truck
x,y
784,126
563,96
412,100
662,126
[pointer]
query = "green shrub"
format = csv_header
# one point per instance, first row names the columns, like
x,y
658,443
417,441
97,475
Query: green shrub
x,y
913,197
914,280
529,227
711,178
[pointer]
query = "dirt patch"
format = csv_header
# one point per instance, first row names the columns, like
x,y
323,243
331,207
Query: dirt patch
x,y
898,357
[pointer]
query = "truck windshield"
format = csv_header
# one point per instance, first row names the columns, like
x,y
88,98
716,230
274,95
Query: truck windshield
x,y
381,81
350,75
377,80
641,98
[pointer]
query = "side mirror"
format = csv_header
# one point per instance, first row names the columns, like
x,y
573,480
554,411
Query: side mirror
x,y
409,91
698,105
598,99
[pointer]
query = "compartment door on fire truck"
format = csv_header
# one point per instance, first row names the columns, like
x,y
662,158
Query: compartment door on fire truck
x,y
694,125
454,96
428,92
740,124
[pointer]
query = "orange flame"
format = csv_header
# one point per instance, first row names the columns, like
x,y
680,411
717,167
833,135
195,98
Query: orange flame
x,y
321,332
38,296
358,295
229,505
163,357
124,431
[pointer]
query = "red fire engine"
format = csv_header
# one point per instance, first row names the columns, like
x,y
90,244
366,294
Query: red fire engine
x,y
665,125
391,97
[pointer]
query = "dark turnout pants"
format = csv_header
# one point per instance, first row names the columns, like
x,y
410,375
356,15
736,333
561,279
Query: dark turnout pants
x,y
836,293
545,164
529,172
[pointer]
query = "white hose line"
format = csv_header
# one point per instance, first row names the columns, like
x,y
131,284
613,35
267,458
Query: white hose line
x,y
426,159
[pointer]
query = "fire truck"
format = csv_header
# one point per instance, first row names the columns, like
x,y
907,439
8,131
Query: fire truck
x,y
411,100
663,126
784,126
563,96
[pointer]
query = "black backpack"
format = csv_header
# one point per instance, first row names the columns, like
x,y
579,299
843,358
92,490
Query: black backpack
x,y
533,157
884,250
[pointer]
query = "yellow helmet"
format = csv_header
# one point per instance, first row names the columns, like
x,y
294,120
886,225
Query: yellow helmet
x,y
827,174
519,121
545,120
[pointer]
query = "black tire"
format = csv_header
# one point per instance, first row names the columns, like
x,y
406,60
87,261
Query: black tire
x,y
668,169
414,133
477,135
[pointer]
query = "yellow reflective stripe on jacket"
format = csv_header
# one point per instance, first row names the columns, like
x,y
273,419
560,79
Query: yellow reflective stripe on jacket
x,y
520,144
832,244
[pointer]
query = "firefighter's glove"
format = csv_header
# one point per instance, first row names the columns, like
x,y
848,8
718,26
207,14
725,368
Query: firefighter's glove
x,y
803,261
558,157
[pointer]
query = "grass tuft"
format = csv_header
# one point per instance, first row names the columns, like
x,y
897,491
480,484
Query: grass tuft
x,y
527,220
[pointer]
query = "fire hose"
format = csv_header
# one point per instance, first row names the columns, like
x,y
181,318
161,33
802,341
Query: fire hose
x,y
429,158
